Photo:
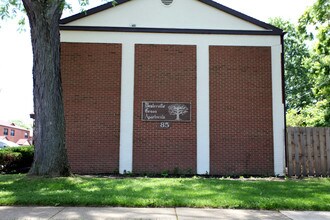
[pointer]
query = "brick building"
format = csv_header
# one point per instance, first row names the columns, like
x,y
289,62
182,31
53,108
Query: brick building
x,y
176,85
12,132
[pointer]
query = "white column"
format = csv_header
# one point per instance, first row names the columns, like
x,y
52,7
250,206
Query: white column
x,y
126,109
278,112
203,110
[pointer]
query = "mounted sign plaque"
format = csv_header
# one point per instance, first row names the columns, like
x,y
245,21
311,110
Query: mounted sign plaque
x,y
166,111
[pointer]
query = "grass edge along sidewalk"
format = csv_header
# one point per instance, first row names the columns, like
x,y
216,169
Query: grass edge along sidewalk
x,y
306,194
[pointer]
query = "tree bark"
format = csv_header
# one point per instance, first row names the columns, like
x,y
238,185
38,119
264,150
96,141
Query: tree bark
x,y
50,157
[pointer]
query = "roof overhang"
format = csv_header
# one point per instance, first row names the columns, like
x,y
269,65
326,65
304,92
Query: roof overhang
x,y
267,29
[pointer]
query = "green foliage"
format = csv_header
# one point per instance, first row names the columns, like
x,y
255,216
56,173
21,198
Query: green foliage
x,y
310,116
10,8
298,87
8,157
16,159
165,173
317,18
317,15
308,194
307,71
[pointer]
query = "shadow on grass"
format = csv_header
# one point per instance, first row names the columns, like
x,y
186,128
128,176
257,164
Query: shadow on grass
x,y
309,194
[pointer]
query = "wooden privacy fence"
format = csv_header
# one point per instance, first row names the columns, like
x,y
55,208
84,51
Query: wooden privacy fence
x,y
308,151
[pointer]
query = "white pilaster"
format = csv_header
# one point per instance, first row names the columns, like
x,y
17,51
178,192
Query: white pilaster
x,y
203,110
278,112
126,109
202,41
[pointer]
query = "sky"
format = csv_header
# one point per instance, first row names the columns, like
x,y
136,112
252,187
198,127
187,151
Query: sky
x,y
16,99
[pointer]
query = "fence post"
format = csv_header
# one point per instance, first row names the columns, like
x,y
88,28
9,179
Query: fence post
x,y
327,140
309,149
322,153
316,152
303,149
289,132
296,153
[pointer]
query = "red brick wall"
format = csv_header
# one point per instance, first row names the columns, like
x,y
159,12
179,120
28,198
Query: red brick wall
x,y
241,133
91,76
164,73
19,133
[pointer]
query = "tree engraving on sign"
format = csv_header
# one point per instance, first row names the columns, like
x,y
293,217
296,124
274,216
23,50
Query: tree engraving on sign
x,y
177,110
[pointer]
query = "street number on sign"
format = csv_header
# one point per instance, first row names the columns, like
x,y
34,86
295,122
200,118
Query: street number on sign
x,y
164,125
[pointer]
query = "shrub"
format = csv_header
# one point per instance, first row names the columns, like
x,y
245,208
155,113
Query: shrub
x,y
16,159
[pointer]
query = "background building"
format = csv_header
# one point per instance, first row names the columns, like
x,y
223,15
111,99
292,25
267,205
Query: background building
x,y
13,133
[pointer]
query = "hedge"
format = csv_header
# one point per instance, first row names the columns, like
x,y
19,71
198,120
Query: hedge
x,y
16,159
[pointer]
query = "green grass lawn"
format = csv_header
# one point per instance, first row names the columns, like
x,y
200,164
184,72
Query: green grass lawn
x,y
307,194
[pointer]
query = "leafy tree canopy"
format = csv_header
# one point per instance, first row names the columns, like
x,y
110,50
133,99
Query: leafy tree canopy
x,y
318,64
298,88
318,16
313,26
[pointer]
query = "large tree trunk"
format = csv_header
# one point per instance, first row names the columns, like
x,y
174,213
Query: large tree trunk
x,y
50,157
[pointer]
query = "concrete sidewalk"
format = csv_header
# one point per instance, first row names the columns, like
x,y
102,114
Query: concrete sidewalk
x,y
93,213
